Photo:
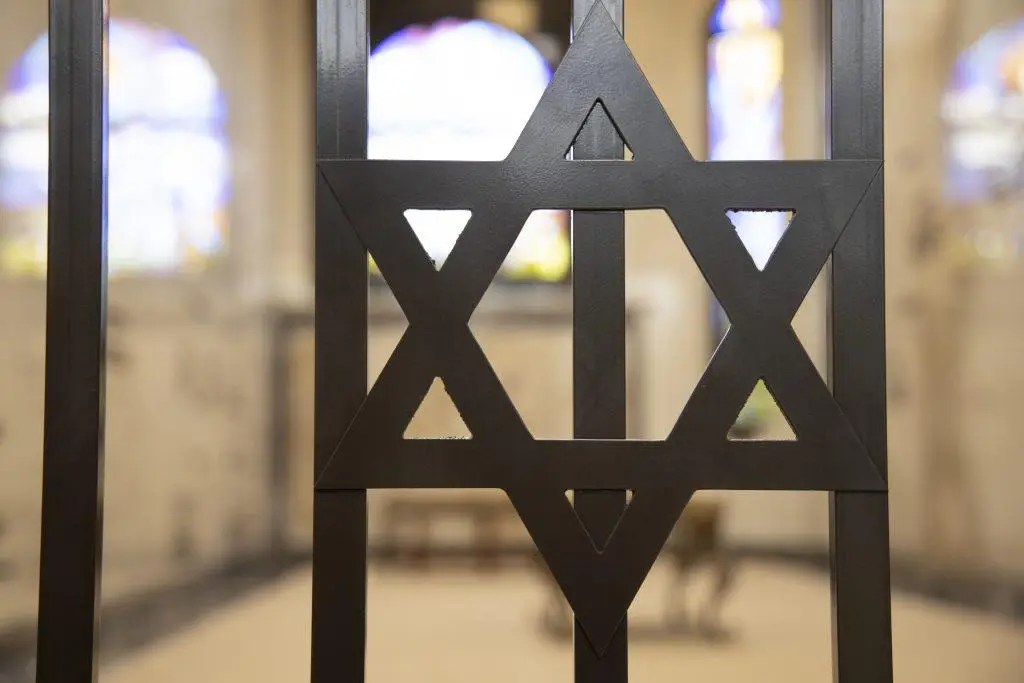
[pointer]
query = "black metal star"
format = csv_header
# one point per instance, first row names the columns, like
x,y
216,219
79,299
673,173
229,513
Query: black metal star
x,y
761,344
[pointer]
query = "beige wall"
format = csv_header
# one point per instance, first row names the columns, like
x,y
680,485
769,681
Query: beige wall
x,y
978,506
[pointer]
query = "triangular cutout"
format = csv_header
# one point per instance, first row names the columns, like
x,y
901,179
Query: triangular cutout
x,y
437,230
760,232
570,496
761,418
598,116
600,584
437,417
599,541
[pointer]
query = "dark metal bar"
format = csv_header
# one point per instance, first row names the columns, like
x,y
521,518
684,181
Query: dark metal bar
x,y
72,514
859,526
339,517
599,355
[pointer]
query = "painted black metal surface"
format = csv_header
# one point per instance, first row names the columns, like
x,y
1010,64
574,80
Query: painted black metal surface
x,y
601,550
339,517
859,521
569,157
75,352
599,361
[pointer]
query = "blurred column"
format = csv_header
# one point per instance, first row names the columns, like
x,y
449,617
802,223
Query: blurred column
x,y
521,16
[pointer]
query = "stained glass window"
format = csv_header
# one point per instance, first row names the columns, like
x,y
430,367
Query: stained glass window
x,y
463,90
168,165
984,112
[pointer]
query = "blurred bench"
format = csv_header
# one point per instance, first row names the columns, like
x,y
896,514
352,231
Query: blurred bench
x,y
409,522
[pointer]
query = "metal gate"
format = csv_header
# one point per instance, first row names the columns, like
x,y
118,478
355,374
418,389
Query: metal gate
x,y
600,547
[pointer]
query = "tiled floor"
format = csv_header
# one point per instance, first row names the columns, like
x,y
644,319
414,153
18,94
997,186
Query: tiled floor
x,y
454,627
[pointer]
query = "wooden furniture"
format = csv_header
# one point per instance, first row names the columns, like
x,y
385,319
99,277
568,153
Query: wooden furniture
x,y
408,523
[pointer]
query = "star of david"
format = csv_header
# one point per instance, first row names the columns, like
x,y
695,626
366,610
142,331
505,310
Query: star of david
x,y
599,582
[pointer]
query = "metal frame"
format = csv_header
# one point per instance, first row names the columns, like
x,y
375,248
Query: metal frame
x,y
72,518
599,359
600,549
339,519
859,521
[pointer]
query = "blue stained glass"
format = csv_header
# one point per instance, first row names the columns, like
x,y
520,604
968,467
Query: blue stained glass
x,y
169,163
732,15
33,67
984,113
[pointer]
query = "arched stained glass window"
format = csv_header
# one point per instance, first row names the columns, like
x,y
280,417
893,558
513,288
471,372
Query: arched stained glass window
x,y
168,156
984,113
463,90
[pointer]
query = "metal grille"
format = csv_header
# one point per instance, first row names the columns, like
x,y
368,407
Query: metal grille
x,y
600,547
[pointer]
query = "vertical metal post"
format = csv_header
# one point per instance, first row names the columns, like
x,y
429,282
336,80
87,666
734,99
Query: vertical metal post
x,y
72,518
599,354
859,522
339,517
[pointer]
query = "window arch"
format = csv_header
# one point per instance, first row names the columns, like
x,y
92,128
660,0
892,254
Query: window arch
x,y
463,90
983,109
169,176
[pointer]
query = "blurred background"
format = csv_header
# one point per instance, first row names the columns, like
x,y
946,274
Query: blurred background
x,y
208,502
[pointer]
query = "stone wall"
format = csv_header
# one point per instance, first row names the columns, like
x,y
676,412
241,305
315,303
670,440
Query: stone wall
x,y
187,477
953,405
